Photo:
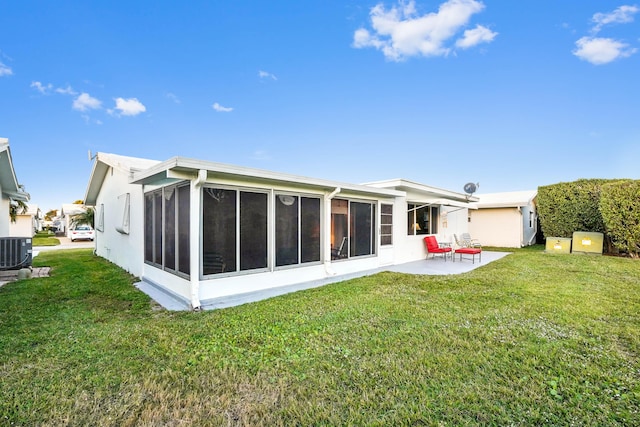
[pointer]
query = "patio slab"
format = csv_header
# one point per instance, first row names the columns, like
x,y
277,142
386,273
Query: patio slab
x,y
436,266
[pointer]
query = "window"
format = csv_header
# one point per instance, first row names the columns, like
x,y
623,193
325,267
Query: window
x,y
422,219
339,228
297,229
124,208
362,233
352,228
386,224
170,228
149,219
184,228
287,229
157,227
100,222
166,229
253,230
234,230
218,230
310,229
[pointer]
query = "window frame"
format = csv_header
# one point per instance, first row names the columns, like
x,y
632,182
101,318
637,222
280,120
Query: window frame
x,y
150,239
303,238
415,226
384,225
352,220
100,222
237,269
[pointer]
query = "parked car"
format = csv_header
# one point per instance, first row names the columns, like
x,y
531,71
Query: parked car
x,y
82,232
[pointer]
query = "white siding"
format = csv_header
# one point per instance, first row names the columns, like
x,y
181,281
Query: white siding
x,y
497,227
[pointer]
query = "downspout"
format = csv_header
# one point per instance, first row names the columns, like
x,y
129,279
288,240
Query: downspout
x,y
194,240
534,219
327,235
521,226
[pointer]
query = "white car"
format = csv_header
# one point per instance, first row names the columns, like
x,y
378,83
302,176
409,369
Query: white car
x,y
82,232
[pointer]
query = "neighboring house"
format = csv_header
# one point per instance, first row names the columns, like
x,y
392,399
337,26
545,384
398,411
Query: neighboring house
x,y
67,212
9,187
204,231
27,223
505,219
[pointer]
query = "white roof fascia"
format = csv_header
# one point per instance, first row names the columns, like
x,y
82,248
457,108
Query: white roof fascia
x,y
72,209
446,202
8,180
177,165
103,162
511,199
404,185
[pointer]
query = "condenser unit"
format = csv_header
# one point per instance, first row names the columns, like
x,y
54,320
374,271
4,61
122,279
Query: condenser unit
x,y
15,252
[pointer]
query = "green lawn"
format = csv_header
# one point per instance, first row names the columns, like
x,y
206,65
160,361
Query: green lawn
x,y
531,339
45,241
44,238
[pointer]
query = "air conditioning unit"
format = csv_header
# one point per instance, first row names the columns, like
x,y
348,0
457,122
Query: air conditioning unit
x,y
15,253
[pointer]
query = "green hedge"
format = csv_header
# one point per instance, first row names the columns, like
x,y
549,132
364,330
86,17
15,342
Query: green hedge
x,y
570,206
620,209
608,206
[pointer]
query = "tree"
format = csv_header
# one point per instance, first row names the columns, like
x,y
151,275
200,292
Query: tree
x,y
87,217
51,214
17,207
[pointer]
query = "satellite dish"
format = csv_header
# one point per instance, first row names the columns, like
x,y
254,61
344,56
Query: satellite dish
x,y
470,188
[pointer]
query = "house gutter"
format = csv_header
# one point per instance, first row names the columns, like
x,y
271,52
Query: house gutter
x,y
194,241
327,242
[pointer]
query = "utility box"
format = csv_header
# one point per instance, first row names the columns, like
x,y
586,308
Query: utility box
x,y
558,245
587,242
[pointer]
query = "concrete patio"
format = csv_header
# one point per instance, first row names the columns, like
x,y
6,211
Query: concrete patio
x,y
436,266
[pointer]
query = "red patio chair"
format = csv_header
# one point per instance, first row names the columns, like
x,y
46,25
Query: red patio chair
x,y
434,248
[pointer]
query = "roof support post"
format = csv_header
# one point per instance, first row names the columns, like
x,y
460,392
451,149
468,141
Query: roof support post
x,y
194,237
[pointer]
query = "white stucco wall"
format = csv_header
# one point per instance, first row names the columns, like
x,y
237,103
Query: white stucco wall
x,y
5,220
452,220
125,250
23,227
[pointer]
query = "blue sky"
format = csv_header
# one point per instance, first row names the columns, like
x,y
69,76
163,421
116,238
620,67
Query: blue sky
x,y
511,95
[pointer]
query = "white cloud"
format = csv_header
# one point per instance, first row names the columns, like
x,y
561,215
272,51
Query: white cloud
x,y
5,70
48,88
261,155
128,107
602,50
598,50
474,37
400,33
66,91
266,75
43,89
622,15
173,97
85,102
221,109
